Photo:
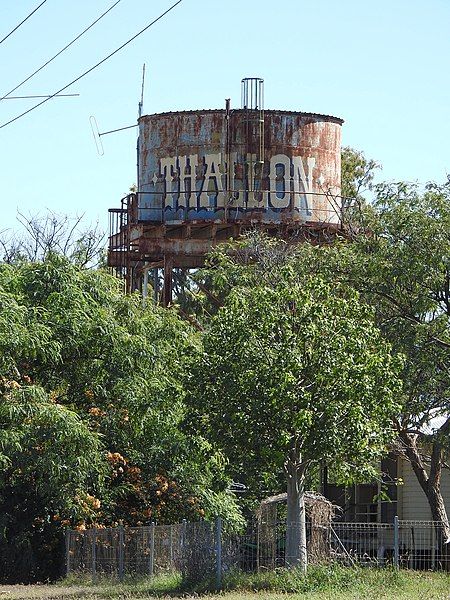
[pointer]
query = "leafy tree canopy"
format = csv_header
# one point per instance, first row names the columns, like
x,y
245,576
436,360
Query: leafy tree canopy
x,y
296,364
399,261
91,401
293,375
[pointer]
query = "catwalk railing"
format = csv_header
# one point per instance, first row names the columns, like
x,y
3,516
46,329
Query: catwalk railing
x,y
199,550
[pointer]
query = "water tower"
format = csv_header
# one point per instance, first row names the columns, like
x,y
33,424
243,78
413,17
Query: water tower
x,y
205,176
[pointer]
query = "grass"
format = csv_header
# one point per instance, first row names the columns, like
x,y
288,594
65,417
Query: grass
x,y
321,583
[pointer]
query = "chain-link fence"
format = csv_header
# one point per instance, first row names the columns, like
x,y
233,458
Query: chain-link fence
x,y
200,550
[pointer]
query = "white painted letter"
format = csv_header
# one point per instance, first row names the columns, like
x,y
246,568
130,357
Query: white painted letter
x,y
211,188
303,185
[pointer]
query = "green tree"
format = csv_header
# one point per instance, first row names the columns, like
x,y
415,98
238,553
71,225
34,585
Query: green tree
x,y
407,275
400,263
293,375
49,460
357,173
111,369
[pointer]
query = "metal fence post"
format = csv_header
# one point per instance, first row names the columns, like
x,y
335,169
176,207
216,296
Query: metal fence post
x,y
218,544
396,542
258,544
67,551
183,532
94,553
121,552
151,548
433,546
181,553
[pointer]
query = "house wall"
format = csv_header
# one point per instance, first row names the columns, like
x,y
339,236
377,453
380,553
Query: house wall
x,y
412,502
359,504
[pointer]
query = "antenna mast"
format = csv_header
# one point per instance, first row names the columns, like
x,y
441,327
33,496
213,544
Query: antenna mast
x,y
141,103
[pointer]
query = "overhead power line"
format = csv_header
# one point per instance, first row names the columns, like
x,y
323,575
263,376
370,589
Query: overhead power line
x,y
40,96
94,67
22,22
61,51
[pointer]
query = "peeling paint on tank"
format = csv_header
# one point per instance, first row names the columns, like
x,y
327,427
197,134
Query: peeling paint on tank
x,y
186,160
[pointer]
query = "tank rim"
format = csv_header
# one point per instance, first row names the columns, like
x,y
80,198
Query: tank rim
x,y
222,111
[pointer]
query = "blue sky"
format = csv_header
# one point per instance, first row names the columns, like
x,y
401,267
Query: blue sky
x,y
381,66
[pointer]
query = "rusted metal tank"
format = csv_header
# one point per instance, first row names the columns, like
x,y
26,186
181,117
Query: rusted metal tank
x,y
243,166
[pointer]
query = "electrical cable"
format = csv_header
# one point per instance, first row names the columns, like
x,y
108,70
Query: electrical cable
x,y
94,67
61,51
39,96
22,22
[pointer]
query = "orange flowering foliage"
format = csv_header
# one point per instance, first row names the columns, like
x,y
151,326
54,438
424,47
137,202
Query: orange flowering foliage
x,y
115,457
96,412
9,384
141,498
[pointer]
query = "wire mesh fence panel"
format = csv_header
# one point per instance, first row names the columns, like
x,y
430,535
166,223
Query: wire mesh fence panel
x,y
188,548
270,545
167,548
197,551
422,545
78,556
105,551
259,548
136,551
362,543
239,552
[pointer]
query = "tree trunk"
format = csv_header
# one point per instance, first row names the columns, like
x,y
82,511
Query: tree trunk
x,y
430,484
434,495
296,554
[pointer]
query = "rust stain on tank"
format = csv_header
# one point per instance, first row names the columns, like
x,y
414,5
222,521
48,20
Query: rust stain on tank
x,y
200,170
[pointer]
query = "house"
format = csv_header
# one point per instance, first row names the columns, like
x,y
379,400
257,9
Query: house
x,y
396,493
